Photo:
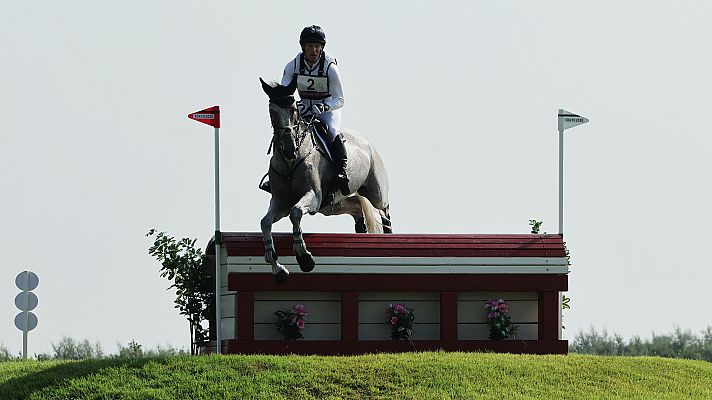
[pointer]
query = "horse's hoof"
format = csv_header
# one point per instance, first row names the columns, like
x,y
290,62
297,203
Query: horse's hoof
x,y
306,262
281,277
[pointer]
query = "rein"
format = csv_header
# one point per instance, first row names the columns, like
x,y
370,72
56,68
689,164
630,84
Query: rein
x,y
301,136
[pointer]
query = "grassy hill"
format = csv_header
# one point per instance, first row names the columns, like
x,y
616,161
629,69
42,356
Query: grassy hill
x,y
431,375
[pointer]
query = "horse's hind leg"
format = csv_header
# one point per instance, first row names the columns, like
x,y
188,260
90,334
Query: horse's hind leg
x,y
274,214
375,189
352,206
386,221
309,203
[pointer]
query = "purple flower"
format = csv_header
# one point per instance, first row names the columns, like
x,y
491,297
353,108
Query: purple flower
x,y
394,320
300,309
300,324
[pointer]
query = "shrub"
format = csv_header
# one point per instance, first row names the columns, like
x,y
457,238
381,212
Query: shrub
x,y
680,344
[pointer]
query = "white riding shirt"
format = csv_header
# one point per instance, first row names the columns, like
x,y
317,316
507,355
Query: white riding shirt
x,y
319,83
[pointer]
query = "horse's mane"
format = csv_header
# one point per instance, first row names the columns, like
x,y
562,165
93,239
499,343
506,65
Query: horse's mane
x,y
283,101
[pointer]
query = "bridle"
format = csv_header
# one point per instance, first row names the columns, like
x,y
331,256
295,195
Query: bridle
x,y
300,135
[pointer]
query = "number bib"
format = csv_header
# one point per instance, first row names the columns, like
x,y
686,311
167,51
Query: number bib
x,y
313,87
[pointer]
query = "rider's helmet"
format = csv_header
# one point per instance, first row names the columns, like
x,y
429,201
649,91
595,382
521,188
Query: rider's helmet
x,y
312,34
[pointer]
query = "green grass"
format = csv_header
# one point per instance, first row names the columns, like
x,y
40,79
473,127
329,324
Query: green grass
x,y
432,375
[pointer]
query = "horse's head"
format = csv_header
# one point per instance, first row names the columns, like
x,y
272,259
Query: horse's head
x,y
285,118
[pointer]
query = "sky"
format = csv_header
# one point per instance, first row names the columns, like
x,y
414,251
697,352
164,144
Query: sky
x,y
459,97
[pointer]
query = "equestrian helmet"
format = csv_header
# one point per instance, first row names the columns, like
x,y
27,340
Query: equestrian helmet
x,y
312,34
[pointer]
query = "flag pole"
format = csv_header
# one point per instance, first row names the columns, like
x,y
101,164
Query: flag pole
x,y
211,116
561,182
566,120
218,245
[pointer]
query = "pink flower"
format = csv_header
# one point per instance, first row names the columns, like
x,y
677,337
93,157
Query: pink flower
x,y
300,324
394,320
490,315
300,309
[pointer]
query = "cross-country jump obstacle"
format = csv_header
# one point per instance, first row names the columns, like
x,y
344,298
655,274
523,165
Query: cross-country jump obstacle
x,y
444,279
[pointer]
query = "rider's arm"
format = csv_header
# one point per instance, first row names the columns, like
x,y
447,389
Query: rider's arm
x,y
337,94
288,74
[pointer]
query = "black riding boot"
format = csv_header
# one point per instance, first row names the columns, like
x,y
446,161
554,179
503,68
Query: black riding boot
x,y
338,152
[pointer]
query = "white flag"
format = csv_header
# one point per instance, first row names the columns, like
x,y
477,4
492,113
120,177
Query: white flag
x,y
569,120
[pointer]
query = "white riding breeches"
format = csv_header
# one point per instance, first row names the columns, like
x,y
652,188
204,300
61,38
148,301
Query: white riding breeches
x,y
332,119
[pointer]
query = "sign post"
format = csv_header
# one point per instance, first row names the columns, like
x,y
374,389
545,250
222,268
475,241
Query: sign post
x,y
211,116
566,120
26,301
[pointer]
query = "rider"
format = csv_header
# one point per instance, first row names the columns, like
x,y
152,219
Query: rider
x,y
320,93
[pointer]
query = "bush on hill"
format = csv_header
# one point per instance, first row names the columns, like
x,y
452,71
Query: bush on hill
x,y
680,344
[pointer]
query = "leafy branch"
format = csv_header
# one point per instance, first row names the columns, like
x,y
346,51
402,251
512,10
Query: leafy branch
x,y
184,265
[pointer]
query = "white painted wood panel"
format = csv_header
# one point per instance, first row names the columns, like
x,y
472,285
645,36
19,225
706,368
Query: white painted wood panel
x,y
311,332
227,305
398,297
520,311
383,332
227,328
481,332
484,296
289,261
319,311
374,311
298,296
408,269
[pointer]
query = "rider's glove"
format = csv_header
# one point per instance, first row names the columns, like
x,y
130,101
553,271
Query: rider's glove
x,y
319,108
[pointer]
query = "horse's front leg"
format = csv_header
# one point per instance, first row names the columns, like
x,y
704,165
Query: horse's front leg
x,y
274,214
309,203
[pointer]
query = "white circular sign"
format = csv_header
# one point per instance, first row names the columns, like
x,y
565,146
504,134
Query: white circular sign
x,y
27,280
29,317
31,301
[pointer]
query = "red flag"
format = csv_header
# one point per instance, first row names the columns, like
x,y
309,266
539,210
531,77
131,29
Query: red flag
x,y
210,116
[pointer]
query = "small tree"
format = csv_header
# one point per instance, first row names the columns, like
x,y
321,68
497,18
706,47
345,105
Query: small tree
x,y
184,264
132,350
5,353
70,349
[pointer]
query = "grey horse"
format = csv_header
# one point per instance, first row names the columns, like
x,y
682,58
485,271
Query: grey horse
x,y
300,175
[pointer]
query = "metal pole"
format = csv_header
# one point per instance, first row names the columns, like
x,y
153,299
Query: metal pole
x,y
218,243
27,316
561,182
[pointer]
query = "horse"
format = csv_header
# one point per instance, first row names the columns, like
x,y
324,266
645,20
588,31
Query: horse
x,y
301,173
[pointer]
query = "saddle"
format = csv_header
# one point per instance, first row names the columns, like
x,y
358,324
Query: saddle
x,y
322,135
322,145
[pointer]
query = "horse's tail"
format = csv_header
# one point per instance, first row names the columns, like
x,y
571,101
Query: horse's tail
x,y
371,215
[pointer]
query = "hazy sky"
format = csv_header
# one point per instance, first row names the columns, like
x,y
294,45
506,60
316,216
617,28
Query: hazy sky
x,y
460,99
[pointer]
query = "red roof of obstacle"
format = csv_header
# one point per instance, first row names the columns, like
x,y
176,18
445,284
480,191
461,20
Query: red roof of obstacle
x,y
400,245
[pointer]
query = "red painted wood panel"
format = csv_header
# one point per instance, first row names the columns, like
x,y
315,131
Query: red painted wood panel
x,y
349,316
246,315
403,282
549,315
448,316
402,245
392,346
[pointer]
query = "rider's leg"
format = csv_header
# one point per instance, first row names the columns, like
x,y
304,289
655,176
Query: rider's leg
x,y
337,148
